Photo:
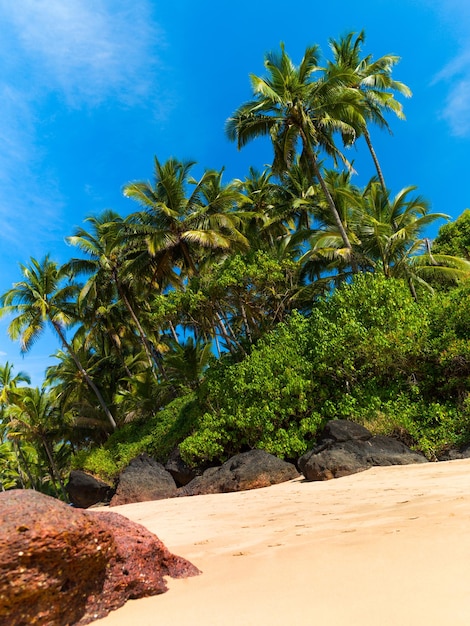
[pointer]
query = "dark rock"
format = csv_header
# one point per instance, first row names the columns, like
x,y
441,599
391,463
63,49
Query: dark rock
x,y
344,430
182,474
85,490
328,464
334,457
61,566
142,480
453,454
248,470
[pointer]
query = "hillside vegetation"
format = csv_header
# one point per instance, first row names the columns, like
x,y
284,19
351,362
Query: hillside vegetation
x,y
222,316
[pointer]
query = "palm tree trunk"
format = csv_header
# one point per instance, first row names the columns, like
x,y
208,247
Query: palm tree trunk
x,y
173,332
140,330
375,159
329,199
245,322
85,375
224,325
53,468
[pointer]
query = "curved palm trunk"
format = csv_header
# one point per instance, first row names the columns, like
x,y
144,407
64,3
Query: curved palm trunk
x,y
53,468
142,335
332,206
331,202
375,159
140,330
85,375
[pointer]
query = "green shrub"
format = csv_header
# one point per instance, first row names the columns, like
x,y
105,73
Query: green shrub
x,y
157,437
262,402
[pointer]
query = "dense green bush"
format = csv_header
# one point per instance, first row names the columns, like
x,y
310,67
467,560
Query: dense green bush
x,y
366,353
262,402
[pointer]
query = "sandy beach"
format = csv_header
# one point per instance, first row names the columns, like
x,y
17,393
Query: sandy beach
x,y
389,546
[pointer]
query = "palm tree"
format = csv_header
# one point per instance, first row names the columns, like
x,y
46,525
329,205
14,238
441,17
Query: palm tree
x,y
9,382
8,390
41,298
373,81
37,419
74,397
178,230
260,224
108,270
326,259
391,230
299,104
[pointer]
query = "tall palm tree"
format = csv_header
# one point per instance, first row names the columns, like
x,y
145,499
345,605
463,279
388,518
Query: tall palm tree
x,y
299,104
373,81
41,298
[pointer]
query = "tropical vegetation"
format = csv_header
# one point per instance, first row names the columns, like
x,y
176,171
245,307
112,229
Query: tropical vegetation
x,y
219,316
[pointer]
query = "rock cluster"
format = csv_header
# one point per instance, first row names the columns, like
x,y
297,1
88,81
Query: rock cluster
x,y
346,448
343,448
61,566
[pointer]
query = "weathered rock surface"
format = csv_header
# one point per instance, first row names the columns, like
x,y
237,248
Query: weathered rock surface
x,y
346,448
61,566
182,474
248,470
85,490
455,453
144,479
344,430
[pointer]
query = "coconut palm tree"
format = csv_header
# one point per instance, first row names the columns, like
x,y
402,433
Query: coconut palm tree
x,y
391,234
183,220
300,105
44,296
261,226
373,81
36,418
110,277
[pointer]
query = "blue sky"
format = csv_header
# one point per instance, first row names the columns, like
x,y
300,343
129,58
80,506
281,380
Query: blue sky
x,y
91,91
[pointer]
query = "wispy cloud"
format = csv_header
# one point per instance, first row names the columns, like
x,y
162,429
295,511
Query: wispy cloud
x,y
456,73
83,55
87,50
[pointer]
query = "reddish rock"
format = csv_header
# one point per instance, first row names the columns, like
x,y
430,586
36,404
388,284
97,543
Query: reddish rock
x,y
61,566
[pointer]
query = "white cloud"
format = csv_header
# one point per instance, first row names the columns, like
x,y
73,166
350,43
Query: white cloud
x,y
456,73
81,53
457,104
87,50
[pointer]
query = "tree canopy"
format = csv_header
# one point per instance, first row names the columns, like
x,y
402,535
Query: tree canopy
x,y
219,316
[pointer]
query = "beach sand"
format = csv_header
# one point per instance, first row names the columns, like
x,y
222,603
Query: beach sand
x,y
388,546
